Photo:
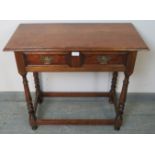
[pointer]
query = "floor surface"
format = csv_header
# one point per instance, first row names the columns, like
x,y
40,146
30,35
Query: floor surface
x,y
139,114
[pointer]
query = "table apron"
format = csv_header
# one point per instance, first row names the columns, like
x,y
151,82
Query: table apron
x,y
65,68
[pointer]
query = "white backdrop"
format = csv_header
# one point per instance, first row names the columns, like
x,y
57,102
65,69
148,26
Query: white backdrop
x,y
143,79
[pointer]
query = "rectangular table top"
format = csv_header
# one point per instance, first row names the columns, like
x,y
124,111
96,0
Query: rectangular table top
x,y
51,37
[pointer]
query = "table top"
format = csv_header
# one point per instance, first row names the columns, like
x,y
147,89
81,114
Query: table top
x,y
51,37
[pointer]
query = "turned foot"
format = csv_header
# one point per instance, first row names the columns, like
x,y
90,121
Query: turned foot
x,y
117,125
118,122
35,127
117,128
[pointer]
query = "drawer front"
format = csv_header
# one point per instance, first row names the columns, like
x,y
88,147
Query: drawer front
x,y
105,59
79,61
45,59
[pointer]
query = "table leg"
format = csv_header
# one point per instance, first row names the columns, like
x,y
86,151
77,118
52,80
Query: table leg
x,y
113,88
32,116
121,104
39,96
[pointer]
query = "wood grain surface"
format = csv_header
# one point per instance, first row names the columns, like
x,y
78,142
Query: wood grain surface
x,y
49,37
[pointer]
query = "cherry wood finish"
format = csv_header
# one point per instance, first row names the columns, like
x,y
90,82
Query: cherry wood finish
x,y
85,68
39,94
31,110
75,61
76,121
113,88
73,48
76,94
51,37
39,59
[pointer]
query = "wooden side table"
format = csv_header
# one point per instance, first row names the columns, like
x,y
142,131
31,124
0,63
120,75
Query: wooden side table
x,y
76,48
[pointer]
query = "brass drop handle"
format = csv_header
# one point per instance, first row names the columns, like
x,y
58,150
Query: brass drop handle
x,y
46,60
103,59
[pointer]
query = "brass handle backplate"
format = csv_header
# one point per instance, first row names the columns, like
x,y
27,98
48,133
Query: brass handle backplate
x,y
103,59
46,60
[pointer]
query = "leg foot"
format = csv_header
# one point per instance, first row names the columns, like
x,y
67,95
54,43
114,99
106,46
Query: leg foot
x,y
35,127
117,128
118,122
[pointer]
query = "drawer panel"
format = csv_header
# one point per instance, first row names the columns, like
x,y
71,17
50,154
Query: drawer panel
x,y
45,59
84,61
105,59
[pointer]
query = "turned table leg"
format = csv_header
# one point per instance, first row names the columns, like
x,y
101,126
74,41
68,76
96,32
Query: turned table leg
x,y
113,88
39,97
121,104
32,116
